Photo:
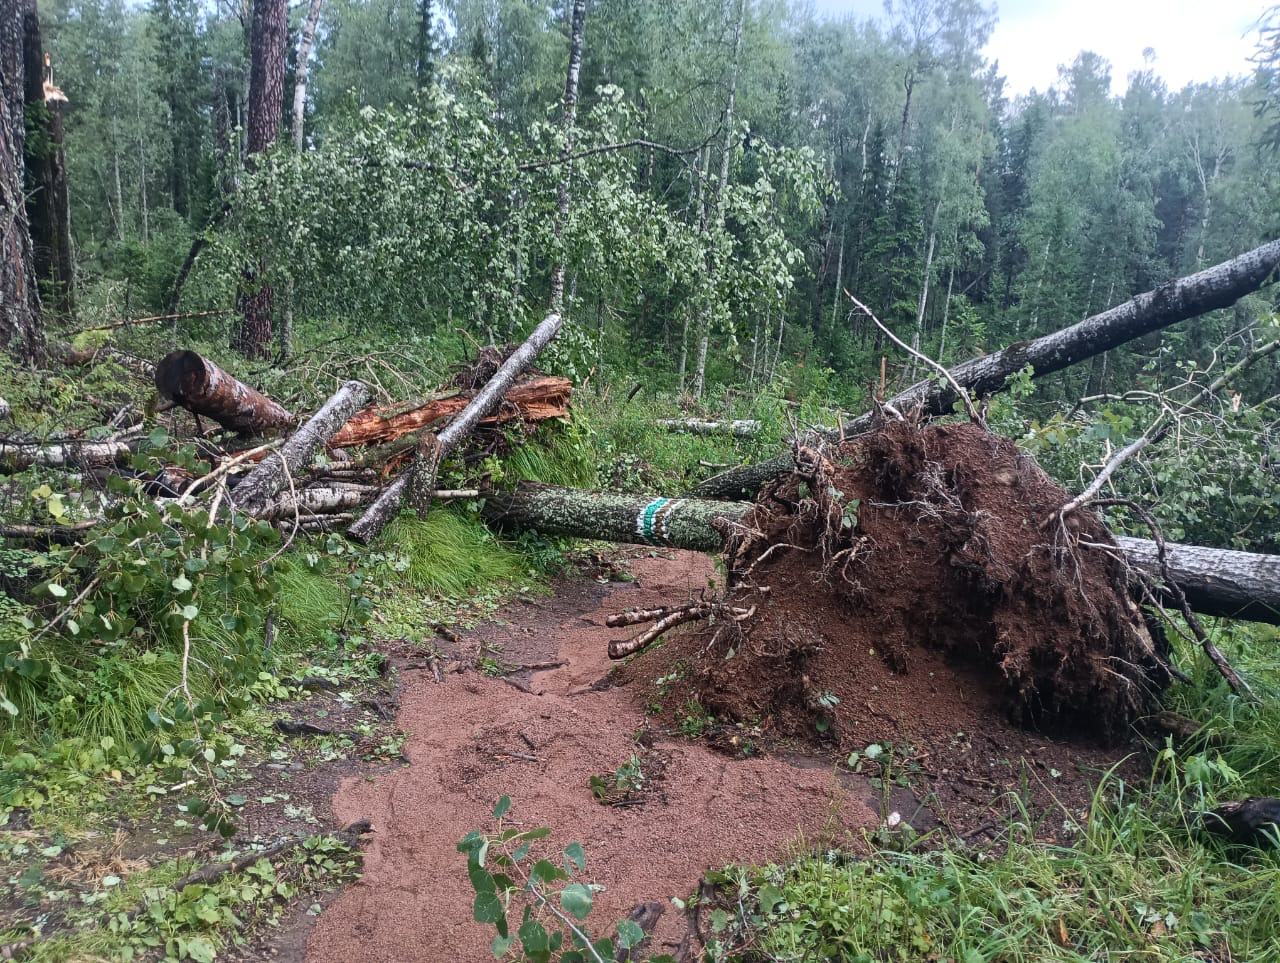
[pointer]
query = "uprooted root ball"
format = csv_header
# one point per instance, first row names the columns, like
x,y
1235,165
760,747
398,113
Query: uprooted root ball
x,y
909,544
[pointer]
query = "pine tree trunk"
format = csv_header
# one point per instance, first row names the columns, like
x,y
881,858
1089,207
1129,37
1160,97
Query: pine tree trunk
x,y
424,43
46,174
266,96
203,388
20,331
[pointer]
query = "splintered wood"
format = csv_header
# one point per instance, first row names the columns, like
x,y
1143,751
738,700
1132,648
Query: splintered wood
x,y
536,399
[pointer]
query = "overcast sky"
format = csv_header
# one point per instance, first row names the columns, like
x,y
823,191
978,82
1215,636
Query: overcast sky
x,y
1194,40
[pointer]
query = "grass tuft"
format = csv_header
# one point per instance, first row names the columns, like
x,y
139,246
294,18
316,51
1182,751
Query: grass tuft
x,y
451,554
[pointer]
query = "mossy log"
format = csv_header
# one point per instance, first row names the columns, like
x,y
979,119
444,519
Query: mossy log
x,y
690,523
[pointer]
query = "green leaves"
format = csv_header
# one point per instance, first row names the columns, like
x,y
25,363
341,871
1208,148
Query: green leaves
x,y
576,899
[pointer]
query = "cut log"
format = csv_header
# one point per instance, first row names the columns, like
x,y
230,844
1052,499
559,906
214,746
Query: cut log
x,y
1216,581
203,388
1239,585
66,455
1217,287
272,473
422,473
536,399
697,426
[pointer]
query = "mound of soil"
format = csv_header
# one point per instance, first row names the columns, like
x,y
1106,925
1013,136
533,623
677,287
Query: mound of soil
x,y
910,575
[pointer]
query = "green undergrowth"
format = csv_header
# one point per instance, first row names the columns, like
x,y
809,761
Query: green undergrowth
x,y
1133,877
636,454
451,554
144,915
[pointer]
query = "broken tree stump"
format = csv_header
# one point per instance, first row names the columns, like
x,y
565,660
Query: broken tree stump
x,y
200,386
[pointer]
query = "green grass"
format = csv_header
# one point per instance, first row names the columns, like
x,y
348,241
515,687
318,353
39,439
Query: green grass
x,y
97,692
451,554
1135,886
558,453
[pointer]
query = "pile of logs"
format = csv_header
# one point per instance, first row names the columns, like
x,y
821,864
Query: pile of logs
x,y
315,478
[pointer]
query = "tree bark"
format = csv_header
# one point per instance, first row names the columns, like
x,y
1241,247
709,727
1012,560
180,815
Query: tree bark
x,y
689,523
203,388
1216,582
304,69
424,44
65,455
1236,585
311,501
271,474
20,330
266,96
1217,287
697,426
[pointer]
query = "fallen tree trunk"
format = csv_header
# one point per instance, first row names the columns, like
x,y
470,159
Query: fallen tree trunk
x,y
67,454
1240,585
1217,287
271,474
421,474
314,501
691,523
1216,581
79,357
203,388
536,399
697,426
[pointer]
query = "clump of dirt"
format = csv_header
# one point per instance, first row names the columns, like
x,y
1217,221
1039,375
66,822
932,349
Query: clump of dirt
x,y
911,575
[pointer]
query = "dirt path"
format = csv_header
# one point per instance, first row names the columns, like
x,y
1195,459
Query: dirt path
x,y
466,740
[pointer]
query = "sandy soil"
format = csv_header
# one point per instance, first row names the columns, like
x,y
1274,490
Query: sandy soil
x,y
469,743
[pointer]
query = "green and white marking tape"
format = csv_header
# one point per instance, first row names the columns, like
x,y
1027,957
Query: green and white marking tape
x,y
651,520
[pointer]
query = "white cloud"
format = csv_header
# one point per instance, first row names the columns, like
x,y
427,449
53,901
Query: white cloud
x,y
1193,40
